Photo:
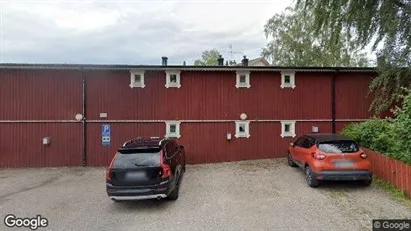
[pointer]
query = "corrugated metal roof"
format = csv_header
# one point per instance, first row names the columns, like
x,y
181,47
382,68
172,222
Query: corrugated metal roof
x,y
180,67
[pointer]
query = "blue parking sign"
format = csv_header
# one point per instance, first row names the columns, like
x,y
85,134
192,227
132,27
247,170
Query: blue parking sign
x,y
105,134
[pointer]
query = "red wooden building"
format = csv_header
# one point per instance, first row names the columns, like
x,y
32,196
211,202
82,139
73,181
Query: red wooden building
x,y
219,113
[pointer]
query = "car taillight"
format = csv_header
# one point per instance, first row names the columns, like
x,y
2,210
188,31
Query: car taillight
x,y
363,155
165,168
109,169
318,156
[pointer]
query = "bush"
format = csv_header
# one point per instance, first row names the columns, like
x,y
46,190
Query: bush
x,y
391,137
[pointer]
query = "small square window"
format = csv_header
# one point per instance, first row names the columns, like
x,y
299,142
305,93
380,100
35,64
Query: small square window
x,y
173,129
288,79
137,79
242,129
243,79
288,128
173,78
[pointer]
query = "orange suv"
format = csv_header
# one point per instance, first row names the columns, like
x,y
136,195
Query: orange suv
x,y
329,157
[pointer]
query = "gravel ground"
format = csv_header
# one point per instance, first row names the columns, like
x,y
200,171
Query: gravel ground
x,y
260,195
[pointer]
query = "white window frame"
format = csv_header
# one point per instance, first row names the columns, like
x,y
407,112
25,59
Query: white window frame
x,y
175,134
247,79
246,133
168,78
291,133
133,83
292,79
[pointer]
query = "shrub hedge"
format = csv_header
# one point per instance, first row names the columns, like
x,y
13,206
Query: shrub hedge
x,y
391,136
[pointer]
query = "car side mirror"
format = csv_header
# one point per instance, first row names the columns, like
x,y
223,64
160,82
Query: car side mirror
x,y
292,144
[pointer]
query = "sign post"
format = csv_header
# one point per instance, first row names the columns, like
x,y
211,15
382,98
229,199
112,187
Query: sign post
x,y
105,134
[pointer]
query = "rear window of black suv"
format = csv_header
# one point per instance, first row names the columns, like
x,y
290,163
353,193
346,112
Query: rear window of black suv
x,y
131,158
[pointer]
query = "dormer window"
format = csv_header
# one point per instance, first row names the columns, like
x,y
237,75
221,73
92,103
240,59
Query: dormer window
x,y
243,79
137,79
173,79
288,79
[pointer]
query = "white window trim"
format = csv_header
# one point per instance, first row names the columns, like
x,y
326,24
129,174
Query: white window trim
x,y
292,79
177,133
169,83
136,84
246,134
247,79
292,128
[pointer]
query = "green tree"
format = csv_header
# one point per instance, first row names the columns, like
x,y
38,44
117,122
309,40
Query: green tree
x,y
384,24
208,58
293,42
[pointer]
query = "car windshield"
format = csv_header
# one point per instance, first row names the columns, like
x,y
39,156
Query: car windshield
x,y
338,147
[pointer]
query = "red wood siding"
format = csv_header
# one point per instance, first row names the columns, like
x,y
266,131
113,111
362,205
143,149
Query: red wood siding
x,y
203,142
98,155
339,126
40,94
351,96
208,96
204,95
21,144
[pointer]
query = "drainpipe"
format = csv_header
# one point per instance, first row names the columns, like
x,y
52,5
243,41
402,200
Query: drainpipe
x,y
333,100
84,135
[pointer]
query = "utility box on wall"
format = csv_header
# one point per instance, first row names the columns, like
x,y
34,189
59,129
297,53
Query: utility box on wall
x,y
46,140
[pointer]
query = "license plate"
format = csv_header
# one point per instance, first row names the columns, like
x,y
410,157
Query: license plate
x,y
136,175
343,164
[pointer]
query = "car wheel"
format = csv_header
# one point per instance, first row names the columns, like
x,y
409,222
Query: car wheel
x,y
175,193
311,181
366,182
290,161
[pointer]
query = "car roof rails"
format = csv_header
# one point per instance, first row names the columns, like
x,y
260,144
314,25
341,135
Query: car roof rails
x,y
138,139
141,141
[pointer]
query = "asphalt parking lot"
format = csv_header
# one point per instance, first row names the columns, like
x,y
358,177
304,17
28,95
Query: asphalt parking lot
x,y
260,195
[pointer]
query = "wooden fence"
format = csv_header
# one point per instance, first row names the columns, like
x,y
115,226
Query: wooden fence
x,y
390,170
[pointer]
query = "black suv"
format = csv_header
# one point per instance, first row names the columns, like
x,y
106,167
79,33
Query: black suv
x,y
146,169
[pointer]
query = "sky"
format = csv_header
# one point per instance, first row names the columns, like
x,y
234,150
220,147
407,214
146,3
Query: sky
x,y
132,32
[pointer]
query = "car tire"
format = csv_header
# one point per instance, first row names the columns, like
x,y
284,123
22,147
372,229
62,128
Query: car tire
x,y
311,181
175,193
290,161
366,182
